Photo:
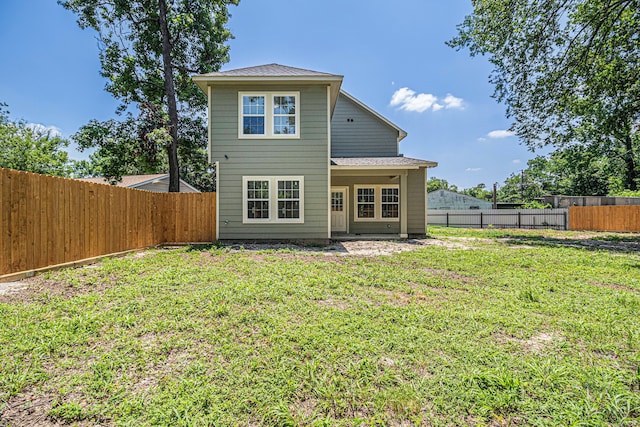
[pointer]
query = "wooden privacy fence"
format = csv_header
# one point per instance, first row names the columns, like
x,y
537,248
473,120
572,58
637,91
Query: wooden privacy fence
x,y
46,220
604,218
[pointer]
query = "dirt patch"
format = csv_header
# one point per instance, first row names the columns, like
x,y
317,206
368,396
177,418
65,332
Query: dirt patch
x,y
11,287
620,244
29,409
616,287
540,342
36,288
535,344
370,248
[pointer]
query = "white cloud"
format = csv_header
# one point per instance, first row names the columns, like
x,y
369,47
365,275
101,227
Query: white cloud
x,y
451,101
500,133
41,129
516,161
473,169
408,100
482,139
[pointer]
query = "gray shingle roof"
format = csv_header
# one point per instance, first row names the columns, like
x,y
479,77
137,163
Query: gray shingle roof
x,y
270,70
380,161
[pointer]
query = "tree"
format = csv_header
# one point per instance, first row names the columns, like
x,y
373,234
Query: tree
x,y
150,49
31,149
434,184
135,145
479,192
568,71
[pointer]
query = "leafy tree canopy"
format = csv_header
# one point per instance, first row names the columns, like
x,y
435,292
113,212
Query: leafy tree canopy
x,y
149,50
568,71
27,148
135,146
479,192
434,184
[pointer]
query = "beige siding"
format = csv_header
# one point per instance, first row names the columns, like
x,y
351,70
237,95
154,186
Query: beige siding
x,y
306,156
416,212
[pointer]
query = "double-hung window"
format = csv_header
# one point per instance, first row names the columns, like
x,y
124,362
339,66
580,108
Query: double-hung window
x,y
269,115
377,203
273,199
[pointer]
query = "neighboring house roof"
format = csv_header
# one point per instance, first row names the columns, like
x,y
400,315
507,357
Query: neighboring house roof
x,y
379,163
273,73
135,181
401,132
445,199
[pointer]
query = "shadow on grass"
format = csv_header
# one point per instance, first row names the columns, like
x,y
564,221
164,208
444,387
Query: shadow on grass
x,y
204,247
605,243
274,246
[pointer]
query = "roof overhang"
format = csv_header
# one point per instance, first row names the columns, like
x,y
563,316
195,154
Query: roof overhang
x,y
375,167
333,81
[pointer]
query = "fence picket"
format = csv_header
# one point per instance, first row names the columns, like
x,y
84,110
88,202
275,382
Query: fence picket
x,y
605,218
47,220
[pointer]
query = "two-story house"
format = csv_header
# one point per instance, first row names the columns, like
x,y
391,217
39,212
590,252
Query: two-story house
x,y
298,158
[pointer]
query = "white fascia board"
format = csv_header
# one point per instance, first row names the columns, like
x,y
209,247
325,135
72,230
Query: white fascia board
x,y
374,167
203,81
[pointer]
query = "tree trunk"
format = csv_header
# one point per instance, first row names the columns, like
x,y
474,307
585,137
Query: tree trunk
x,y
631,177
170,93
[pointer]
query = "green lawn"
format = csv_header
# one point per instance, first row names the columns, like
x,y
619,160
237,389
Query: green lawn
x,y
483,327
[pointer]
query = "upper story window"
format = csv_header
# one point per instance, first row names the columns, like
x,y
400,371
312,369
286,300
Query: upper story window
x,y
269,115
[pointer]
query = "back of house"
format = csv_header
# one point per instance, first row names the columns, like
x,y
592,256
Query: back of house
x,y
298,158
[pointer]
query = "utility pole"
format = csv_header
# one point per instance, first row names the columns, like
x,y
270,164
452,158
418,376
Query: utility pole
x,y
495,195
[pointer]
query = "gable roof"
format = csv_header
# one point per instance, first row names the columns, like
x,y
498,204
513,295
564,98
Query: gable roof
x,y
401,133
453,194
135,181
271,73
269,70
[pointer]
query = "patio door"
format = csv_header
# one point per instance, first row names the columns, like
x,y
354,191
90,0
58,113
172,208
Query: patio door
x,y
339,209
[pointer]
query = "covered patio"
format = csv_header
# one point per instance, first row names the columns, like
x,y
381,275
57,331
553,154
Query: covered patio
x,y
378,197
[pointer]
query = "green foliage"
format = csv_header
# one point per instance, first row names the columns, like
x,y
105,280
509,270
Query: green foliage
x,y
626,193
567,71
534,204
31,149
434,184
573,171
486,327
150,49
137,145
479,192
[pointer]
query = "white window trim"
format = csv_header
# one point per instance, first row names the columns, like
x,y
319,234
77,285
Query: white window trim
x,y
377,203
273,200
268,116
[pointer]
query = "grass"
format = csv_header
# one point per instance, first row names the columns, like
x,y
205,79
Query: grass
x,y
492,327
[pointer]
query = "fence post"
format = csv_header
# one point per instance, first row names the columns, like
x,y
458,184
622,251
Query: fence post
x,y
519,219
447,219
564,215
480,219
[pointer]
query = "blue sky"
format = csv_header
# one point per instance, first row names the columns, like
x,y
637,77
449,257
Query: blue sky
x,y
392,55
